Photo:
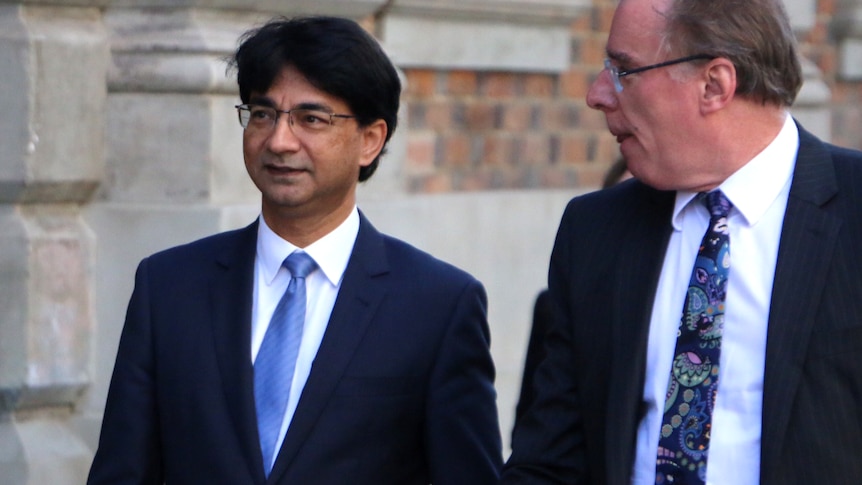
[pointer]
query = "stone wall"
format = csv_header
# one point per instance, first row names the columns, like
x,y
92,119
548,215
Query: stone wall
x,y
119,138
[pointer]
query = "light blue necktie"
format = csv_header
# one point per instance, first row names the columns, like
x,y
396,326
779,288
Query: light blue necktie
x,y
687,421
276,359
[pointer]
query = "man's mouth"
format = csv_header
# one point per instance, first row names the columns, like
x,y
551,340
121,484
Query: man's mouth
x,y
282,169
621,137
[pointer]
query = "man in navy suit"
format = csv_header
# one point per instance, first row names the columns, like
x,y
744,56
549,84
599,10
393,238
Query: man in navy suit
x,y
393,380
697,95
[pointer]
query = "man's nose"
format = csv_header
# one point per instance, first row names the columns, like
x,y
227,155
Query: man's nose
x,y
283,138
602,95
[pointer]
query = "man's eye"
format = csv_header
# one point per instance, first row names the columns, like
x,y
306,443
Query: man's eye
x,y
261,114
311,118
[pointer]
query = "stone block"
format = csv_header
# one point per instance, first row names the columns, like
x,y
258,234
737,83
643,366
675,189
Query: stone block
x,y
52,94
802,14
850,68
346,8
41,452
459,44
45,306
175,148
177,50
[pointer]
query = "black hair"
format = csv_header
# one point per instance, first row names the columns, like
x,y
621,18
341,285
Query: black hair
x,y
335,55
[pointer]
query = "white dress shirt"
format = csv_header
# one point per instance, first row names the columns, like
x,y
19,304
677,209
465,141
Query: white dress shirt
x,y
758,192
331,253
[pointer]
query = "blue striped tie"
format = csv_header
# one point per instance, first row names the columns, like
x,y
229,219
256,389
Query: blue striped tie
x,y
687,422
276,359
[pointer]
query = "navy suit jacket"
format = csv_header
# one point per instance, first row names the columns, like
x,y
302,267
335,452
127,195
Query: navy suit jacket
x,y
401,390
603,276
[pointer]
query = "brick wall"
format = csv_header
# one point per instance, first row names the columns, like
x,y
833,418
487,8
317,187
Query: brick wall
x,y
473,130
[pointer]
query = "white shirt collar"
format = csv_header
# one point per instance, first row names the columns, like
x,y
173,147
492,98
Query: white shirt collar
x,y
755,186
331,252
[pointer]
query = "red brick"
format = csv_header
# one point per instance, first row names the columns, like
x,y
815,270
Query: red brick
x,y
497,150
828,62
416,114
539,85
438,116
536,149
607,148
592,119
591,175
420,82
558,177
498,84
593,49
560,115
479,116
420,152
574,84
433,184
581,23
819,34
517,116
456,150
476,180
461,83
573,148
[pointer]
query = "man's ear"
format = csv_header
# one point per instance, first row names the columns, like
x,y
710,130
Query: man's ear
x,y
373,139
719,86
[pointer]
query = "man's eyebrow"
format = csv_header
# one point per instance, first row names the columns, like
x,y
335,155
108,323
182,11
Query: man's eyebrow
x,y
262,100
620,57
268,102
314,106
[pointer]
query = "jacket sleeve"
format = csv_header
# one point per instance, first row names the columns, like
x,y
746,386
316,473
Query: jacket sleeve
x,y
128,451
462,427
548,445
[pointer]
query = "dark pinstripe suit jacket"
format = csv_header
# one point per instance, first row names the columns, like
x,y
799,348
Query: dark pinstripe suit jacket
x,y
603,276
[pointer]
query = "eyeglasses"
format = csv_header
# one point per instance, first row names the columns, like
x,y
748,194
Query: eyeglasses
x,y
302,121
616,74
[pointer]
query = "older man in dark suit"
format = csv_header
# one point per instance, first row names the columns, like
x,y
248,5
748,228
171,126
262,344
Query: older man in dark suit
x,y
708,315
307,348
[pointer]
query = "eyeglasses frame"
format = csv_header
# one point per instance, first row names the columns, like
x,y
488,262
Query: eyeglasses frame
x,y
279,112
616,74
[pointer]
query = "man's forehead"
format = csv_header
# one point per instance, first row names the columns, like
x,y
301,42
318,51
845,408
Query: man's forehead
x,y
637,30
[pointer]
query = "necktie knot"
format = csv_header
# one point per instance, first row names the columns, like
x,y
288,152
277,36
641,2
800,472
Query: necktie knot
x,y
717,204
299,264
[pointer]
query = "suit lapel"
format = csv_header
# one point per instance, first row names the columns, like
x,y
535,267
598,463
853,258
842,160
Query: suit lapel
x,y
231,302
807,242
640,260
362,290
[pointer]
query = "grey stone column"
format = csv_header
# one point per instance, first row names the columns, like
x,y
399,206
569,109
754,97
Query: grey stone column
x,y
52,98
